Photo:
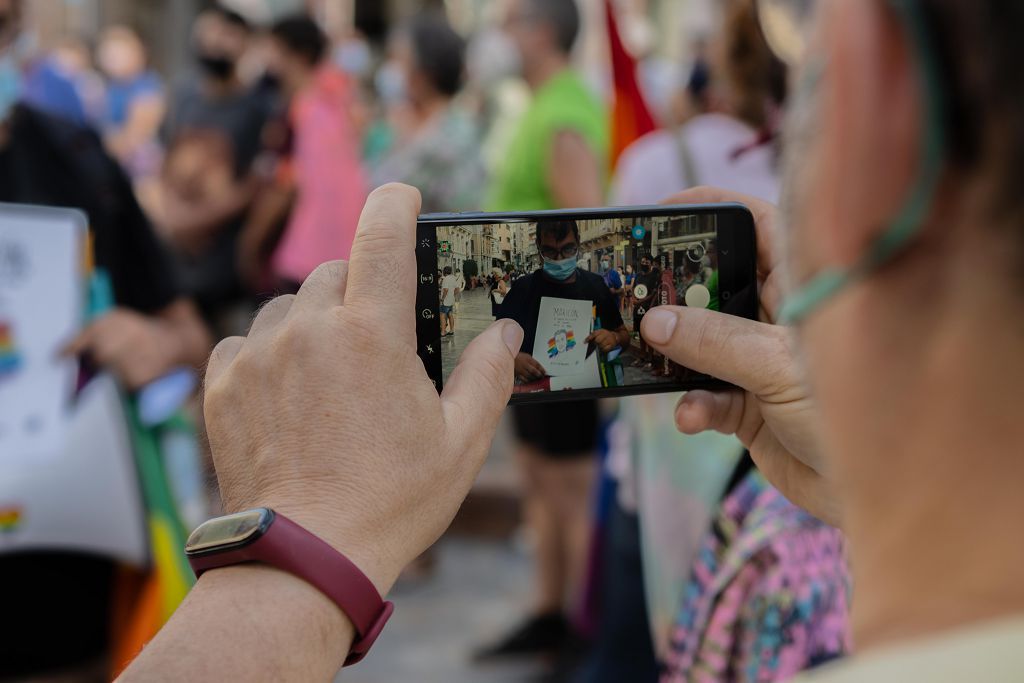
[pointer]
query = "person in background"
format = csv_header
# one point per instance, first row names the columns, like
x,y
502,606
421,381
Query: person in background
x,y
613,280
650,277
730,144
628,280
135,106
438,151
64,84
449,290
63,602
322,181
556,159
213,133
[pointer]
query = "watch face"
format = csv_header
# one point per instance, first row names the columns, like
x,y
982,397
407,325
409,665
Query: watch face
x,y
230,531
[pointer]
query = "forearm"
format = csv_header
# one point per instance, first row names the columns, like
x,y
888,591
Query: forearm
x,y
623,336
248,623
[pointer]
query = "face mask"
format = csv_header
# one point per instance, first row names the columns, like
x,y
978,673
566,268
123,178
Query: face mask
x,y
10,85
605,267
561,270
645,268
217,66
354,58
390,82
493,57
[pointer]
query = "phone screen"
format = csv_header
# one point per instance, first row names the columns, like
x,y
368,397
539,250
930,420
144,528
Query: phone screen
x,y
579,284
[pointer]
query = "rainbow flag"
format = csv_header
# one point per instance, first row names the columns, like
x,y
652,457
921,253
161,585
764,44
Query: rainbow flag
x,y
10,518
570,343
631,117
10,357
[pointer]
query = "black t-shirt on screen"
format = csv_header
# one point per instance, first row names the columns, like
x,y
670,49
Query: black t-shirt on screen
x,y
50,162
523,301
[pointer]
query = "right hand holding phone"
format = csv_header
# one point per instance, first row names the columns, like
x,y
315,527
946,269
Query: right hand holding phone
x,y
773,414
528,369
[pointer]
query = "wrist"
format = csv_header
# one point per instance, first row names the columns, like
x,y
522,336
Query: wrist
x,y
343,531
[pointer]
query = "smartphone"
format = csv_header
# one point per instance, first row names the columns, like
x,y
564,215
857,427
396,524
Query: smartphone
x,y
579,282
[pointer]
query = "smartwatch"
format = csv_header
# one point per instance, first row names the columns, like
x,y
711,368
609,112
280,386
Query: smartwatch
x,y
262,535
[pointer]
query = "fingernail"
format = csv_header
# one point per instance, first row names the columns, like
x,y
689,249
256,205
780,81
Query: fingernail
x,y
512,334
659,325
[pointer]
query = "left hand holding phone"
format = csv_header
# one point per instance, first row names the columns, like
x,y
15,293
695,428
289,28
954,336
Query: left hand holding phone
x,y
303,418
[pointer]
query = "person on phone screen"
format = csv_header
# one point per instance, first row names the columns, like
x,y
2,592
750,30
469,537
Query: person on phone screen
x,y
645,291
557,158
449,289
556,445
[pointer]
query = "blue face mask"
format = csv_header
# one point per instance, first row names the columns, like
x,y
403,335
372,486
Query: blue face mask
x,y
561,270
10,85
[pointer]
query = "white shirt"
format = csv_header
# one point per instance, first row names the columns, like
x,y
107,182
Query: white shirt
x,y
651,169
992,652
449,283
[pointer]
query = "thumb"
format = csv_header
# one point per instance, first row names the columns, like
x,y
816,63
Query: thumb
x,y
752,355
478,390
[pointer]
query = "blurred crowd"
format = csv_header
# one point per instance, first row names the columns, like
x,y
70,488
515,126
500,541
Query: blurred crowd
x,y
211,190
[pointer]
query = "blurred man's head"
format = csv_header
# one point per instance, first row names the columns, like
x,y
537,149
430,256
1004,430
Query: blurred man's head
x,y
298,47
447,270
432,58
542,30
557,240
221,39
857,152
745,79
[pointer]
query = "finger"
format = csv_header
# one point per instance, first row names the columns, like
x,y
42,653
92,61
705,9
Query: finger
x,y
270,315
80,344
752,355
221,358
702,411
765,218
480,386
323,289
382,272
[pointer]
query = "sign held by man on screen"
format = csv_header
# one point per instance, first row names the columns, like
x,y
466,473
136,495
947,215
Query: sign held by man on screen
x,y
562,328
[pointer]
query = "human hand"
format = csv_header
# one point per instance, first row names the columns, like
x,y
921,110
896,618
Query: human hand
x,y
136,348
528,369
606,341
773,414
326,414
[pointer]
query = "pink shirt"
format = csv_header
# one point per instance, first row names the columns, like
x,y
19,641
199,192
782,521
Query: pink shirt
x,y
328,176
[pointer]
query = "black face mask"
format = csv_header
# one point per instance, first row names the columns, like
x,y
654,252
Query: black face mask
x,y
645,268
217,66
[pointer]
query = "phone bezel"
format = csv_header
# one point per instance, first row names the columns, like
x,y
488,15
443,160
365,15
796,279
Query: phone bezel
x,y
740,273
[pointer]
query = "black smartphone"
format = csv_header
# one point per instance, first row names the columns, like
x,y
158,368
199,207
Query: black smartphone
x,y
579,282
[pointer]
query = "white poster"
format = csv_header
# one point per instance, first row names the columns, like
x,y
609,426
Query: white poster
x,y
563,326
40,311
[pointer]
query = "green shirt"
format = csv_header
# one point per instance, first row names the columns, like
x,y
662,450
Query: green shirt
x,y
564,103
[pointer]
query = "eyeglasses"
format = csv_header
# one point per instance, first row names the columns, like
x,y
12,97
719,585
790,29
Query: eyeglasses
x,y
786,25
552,254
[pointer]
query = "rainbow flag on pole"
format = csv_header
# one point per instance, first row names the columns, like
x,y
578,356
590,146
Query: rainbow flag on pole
x,y
631,117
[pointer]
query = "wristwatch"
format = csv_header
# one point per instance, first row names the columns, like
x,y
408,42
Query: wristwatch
x,y
262,535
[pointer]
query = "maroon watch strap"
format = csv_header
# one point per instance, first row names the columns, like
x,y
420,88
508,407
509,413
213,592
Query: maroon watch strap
x,y
291,548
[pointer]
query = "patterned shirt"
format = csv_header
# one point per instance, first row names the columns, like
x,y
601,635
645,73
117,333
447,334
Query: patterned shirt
x,y
443,161
767,597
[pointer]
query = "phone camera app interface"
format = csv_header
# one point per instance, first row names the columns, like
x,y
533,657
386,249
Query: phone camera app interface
x,y
579,289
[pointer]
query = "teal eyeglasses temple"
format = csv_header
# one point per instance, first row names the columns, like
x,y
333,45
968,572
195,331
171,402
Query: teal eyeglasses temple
x,y
911,217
